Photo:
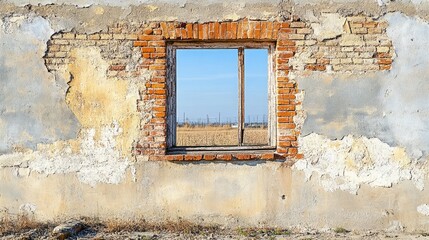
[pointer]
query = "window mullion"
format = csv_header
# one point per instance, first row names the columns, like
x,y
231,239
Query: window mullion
x,y
240,95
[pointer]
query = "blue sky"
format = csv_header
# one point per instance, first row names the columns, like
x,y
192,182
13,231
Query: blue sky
x,y
207,84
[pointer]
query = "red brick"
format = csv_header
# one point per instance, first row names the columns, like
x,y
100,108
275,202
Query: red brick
x,y
292,151
160,49
193,157
156,67
211,30
156,43
228,30
148,49
164,28
200,31
269,30
195,32
173,157
284,120
140,43
283,102
287,138
385,67
159,109
150,37
286,114
267,156
286,108
226,157
286,96
178,33
205,31
209,157
284,144
385,61
157,55
285,43
217,30
189,30
234,27
158,79
242,156
264,30
286,125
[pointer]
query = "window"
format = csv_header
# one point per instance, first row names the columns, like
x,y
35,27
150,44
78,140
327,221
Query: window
x,y
221,96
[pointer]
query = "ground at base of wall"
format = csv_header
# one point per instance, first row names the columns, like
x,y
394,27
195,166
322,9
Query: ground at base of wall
x,y
116,230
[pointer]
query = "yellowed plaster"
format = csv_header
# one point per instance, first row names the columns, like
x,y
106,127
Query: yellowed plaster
x,y
99,101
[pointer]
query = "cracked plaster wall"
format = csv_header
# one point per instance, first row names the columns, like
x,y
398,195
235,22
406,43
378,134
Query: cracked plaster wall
x,y
389,107
31,114
360,132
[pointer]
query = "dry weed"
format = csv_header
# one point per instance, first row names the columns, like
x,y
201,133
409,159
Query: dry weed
x,y
19,223
141,225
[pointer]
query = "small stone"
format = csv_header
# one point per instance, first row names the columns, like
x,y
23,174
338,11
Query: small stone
x,y
70,228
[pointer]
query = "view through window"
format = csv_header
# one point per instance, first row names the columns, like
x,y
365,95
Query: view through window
x,y
208,97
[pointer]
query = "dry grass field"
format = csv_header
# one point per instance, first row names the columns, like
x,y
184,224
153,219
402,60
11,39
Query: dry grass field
x,y
219,136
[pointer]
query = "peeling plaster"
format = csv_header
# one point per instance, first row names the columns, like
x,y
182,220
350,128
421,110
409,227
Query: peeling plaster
x,y
30,115
329,26
390,105
96,161
423,209
97,100
348,163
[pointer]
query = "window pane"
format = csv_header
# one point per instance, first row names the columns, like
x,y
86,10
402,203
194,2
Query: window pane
x,y
256,97
207,97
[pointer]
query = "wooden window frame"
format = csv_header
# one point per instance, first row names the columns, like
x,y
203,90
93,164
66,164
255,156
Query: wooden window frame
x,y
171,115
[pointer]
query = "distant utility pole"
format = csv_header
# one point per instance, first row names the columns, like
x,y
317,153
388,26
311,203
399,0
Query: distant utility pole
x,y
257,120
184,117
219,119
208,120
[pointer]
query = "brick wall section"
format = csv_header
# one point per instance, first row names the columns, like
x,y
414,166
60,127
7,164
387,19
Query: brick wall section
x,y
363,46
116,47
153,46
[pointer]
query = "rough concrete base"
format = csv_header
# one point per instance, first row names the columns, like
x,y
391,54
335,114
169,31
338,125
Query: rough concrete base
x,y
254,194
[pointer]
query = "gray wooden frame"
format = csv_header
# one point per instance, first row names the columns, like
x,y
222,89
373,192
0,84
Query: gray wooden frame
x,y
240,45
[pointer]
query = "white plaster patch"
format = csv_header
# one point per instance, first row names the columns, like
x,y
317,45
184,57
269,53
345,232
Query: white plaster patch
x,y
395,226
97,161
347,163
423,209
330,26
28,208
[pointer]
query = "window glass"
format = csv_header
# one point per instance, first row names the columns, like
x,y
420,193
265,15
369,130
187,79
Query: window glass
x,y
207,97
256,97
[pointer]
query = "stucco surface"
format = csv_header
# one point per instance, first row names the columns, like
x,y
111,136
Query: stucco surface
x,y
254,194
66,137
32,106
390,105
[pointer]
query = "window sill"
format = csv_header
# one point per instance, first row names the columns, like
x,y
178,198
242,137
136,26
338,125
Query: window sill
x,y
220,155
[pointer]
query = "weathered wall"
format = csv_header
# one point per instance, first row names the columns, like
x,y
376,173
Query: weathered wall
x,y
71,114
